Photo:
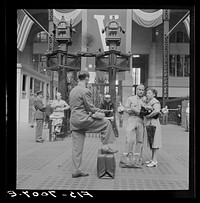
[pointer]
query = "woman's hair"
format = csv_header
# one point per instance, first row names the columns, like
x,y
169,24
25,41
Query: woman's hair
x,y
83,74
155,92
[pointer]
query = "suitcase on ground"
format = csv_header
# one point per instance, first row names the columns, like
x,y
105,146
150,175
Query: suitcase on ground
x,y
106,165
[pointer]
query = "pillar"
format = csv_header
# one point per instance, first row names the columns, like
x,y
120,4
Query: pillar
x,y
50,47
19,78
152,65
27,86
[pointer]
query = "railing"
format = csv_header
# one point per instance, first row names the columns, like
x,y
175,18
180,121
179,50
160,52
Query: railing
x,y
172,116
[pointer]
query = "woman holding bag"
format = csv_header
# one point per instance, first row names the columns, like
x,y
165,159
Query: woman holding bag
x,y
153,127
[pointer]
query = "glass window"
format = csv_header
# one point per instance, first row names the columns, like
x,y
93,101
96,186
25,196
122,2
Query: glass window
x,y
172,65
136,76
172,38
179,37
47,91
31,85
187,66
42,86
179,66
35,61
36,85
186,38
24,83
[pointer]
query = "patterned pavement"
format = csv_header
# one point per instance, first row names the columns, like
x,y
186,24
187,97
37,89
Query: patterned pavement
x,y
47,166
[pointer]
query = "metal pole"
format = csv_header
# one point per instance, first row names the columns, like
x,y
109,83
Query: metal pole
x,y
166,17
50,48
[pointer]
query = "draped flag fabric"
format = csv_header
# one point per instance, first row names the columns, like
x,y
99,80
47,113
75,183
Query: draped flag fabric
x,y
24,24
75,16
187,25
147,19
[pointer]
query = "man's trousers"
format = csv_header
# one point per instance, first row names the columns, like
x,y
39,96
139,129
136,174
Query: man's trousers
x,y
39,129
78,139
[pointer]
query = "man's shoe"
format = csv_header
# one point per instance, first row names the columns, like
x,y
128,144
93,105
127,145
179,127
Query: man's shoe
x,y
79,175
108,151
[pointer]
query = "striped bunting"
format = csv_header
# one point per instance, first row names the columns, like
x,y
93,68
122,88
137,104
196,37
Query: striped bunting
x,y
24,24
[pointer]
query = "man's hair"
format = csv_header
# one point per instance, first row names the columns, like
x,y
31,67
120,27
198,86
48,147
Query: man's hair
x,y
58,94
140,86
83,74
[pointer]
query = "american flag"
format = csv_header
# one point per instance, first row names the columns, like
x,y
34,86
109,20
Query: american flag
x,y
24,24
187,25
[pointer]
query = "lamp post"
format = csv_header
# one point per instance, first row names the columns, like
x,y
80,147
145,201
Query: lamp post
x,y
62,61
113,56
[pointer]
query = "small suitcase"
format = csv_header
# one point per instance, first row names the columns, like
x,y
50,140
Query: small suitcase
x,y
106,165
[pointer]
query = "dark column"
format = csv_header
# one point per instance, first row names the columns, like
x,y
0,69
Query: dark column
x,y
50,48
166,17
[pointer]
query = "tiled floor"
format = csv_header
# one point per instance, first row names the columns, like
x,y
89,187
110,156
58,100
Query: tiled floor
x,y
47,166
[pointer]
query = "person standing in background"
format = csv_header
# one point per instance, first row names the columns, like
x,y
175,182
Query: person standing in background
x,y
109,109
187,113
33,116
179,115
39,116
165,112
120,110
58,107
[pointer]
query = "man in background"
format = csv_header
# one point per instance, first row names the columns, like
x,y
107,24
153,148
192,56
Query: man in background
x,y
109,109
39,116
165,112
187,113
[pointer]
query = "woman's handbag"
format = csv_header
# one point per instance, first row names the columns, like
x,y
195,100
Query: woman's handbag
x,y
144,111
151,129
98,115
130,160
